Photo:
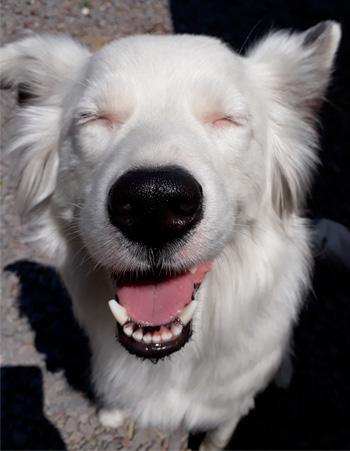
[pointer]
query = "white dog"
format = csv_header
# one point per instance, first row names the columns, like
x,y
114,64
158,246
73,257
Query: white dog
x,y
168,175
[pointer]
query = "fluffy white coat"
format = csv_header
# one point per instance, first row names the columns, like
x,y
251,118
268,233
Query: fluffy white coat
x,y
244,126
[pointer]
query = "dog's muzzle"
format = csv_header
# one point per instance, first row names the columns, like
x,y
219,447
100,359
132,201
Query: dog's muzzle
x,y
154,207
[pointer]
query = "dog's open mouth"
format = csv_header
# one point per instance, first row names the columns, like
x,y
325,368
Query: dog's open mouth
x,y
154,313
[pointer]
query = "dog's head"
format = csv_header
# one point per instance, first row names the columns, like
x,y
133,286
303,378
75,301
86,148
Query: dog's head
x,y
158,152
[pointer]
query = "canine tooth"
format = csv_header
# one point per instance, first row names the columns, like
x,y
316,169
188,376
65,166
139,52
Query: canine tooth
x,y
165,334
118,311
156,337
128,329
138,335
194,269
176,329
147,338
186,314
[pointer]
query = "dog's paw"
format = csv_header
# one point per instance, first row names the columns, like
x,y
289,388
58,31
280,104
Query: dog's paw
x,y
208,446
112,418
219,437
214,440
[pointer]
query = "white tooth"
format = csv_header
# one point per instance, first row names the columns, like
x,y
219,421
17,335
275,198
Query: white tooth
x,y
194,269
166,334
147,338
176,329
138,335
119,312
186,314
156,337
128,329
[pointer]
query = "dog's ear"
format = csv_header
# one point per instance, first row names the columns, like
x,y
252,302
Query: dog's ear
x,y
39,68
292,72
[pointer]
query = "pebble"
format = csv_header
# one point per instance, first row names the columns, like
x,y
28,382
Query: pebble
x,y
85,11
86,428
70,425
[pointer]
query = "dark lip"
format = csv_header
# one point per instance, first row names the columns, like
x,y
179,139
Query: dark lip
x,y
154,351
151,351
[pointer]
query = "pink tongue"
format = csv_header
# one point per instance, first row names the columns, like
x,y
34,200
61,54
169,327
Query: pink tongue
x,y
159,303
156,303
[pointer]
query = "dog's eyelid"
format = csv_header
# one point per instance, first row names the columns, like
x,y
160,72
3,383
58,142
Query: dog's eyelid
x,y
85,118
82,117
225,120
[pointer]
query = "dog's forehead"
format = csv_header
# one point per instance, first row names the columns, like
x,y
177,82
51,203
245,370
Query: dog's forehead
x,y
169,57
160,70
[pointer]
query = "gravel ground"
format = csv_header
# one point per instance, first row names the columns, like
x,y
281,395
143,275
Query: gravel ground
x,y
45,393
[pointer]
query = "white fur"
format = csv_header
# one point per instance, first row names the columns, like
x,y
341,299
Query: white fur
x,y
163,96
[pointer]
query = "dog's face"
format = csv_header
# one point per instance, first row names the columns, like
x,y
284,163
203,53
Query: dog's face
x,y
173,165
169,135
161,151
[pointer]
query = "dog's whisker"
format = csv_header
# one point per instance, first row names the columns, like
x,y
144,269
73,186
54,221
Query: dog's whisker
x,y
251,32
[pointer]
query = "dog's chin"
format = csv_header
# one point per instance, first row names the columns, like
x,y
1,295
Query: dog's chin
x,y
154,351
154,311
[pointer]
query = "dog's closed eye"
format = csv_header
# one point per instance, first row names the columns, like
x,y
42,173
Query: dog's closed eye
x,y
100,119
221,120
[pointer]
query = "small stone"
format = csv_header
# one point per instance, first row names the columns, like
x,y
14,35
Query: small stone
x,y
86,429
71,425
84,418
93,420
107,438
85,11
125,442
72,413
76,436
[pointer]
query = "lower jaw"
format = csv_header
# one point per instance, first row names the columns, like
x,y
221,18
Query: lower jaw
x,y
154,351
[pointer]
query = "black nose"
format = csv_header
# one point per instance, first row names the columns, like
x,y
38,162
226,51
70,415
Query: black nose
x,y
155,206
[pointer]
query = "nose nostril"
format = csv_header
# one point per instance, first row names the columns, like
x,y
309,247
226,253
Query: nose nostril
x,y
124,209
116,209
184,208
187,209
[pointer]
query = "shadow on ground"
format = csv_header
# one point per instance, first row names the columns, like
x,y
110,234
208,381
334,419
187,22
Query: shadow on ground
x,y
23,424
46,304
